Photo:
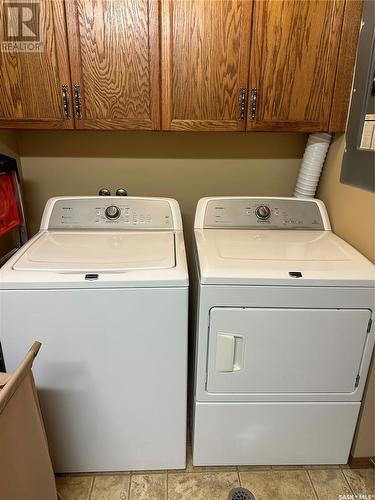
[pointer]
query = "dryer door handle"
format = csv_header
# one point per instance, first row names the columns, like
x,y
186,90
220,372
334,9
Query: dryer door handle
x,y
229,352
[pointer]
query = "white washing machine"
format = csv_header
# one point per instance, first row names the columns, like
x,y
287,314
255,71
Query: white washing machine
x,y
104,287
283,336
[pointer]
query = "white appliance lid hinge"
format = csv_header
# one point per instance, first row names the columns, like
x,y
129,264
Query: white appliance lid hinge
x,y
358,377
369,325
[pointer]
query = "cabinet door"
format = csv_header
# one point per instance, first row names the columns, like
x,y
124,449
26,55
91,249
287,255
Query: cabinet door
x,y
345,65
114,49
31,83
205,61
293,63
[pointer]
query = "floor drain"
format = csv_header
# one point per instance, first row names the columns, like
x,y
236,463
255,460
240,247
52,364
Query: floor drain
x,y
240,494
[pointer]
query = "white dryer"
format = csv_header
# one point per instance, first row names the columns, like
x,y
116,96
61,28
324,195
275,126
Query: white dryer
x,y
104,287
283,336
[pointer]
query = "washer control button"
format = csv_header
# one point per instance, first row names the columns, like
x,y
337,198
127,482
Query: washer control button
x,y
112,212
263,212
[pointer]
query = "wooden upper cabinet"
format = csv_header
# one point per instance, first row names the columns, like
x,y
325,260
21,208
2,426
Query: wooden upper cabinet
x,y
31,83
282,65
205,61
294,56
345,65
114,57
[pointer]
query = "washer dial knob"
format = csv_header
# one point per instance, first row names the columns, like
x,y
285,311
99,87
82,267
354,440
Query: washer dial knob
x,y
263,212
112,212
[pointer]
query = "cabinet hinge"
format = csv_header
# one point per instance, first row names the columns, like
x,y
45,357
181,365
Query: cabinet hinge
x,y
77,102
253,104
369,325
65,101
357,379
242,103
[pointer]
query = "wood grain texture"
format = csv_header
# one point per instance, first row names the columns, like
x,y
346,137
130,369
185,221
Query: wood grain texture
x,y
361,462
205,61
30,83
114,54
293,63
345,65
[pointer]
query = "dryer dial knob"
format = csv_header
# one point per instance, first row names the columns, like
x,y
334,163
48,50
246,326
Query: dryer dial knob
x,y
112,212
263,212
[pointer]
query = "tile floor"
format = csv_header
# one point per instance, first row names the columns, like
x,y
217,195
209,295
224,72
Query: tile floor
x,y
214,483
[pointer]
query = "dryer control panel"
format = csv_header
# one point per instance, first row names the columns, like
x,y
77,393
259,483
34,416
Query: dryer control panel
x,y
110,212
261,213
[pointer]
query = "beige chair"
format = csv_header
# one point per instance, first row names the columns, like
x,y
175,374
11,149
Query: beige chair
x,y
25,466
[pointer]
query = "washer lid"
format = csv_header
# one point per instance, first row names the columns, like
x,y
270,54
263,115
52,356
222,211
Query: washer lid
x,y
95,251
279,257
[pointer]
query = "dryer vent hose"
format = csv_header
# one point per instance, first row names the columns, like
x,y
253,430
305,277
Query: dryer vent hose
x,y
312,164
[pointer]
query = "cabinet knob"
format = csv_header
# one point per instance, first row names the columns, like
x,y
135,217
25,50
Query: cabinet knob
x,y
65,101
242,103
253,104
77,102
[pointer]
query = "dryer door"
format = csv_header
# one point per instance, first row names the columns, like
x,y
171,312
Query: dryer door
x,y
270,350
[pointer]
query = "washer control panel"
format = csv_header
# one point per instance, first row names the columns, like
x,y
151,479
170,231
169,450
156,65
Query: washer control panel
x,y
266,213
104,212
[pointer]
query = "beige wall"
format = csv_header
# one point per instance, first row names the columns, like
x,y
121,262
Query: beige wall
x,y
8,143
352,213
185,166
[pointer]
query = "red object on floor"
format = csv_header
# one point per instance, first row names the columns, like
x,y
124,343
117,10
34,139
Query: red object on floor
x,y
9,216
